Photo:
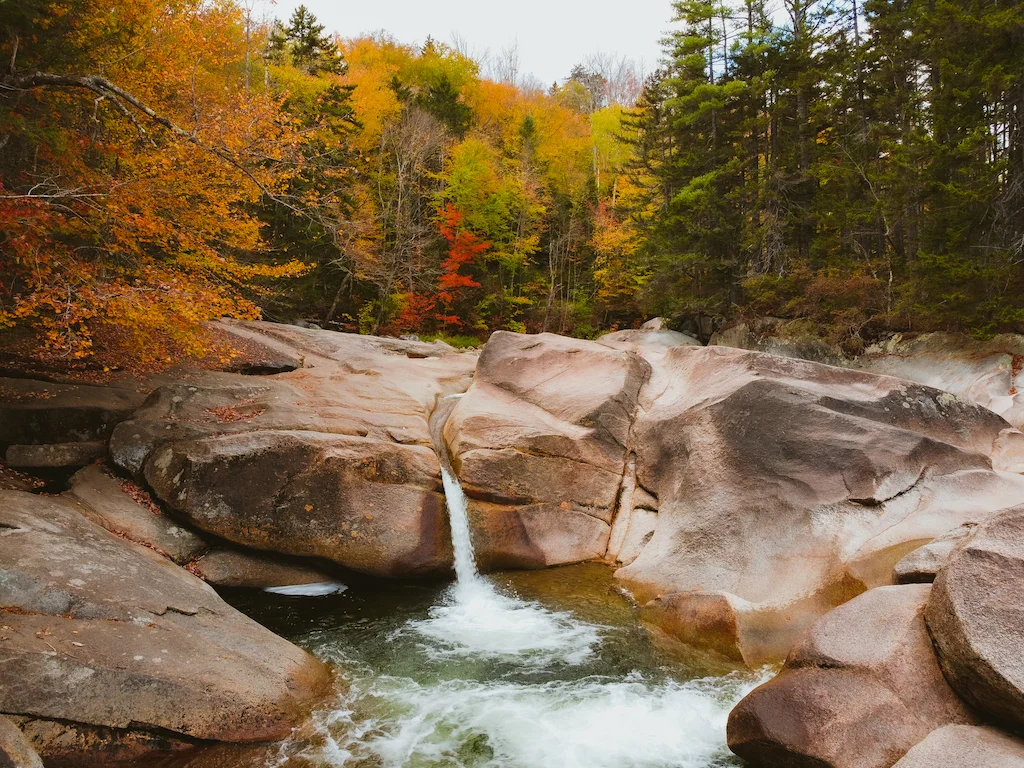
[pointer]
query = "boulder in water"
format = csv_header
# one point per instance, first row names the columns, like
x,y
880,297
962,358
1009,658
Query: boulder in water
x,y
858,690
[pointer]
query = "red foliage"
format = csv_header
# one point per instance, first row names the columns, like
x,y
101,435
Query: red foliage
x,y
463,248
416,310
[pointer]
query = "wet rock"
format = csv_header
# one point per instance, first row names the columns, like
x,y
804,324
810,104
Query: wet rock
x,y
922,565
858,690
105,501
58,455
974,616
104,633
965,746
43,413
231,568
15,748
539,444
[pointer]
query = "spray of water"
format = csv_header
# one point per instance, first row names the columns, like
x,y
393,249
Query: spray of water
x,y
474,619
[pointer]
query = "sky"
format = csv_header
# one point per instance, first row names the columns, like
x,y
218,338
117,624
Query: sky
x,y
552,35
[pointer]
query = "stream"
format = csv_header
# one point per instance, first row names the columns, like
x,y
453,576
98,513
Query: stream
x,y
515,670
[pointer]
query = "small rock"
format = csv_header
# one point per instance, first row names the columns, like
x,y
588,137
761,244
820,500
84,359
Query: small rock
x,y
56,455
921,565
232,568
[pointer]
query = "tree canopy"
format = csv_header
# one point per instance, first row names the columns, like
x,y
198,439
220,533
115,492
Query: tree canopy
x,y
167,162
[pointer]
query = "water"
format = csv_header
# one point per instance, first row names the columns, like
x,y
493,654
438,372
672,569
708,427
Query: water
x,y
474,619
521,670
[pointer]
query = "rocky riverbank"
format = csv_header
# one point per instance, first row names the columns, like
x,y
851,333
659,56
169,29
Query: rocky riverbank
x,y
759,508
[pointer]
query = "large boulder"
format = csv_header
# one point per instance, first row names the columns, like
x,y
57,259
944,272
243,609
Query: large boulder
x,y
975,618
540,442
744,494
858,690
101,633
989,373
965,746
15,749
785,487
333,460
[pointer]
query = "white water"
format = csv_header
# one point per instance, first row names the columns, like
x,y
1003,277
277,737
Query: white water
x,y
490,680
474,619
587,723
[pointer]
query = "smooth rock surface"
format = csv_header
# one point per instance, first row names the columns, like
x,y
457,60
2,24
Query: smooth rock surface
x,y
976,618
105,633
231,568
859,689
965,746
794,486
333,460
104,500
15,749
539,444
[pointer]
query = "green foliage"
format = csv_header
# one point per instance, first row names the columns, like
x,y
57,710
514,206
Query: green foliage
x,y
862,170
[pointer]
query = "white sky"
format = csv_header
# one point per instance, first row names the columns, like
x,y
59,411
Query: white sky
x,y
552,35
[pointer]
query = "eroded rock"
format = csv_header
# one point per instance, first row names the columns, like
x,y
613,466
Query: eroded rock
x,y
333,460
858,690
787,487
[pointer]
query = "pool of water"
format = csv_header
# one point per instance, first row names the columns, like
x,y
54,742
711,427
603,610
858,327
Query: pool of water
x,y
523,670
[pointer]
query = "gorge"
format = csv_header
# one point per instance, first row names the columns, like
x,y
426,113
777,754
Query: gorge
x,y
717,511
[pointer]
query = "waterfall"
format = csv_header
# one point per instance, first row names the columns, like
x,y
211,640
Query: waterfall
x,y
466,572
475,618
458,519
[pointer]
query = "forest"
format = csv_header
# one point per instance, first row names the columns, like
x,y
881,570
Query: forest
x,y
858,166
